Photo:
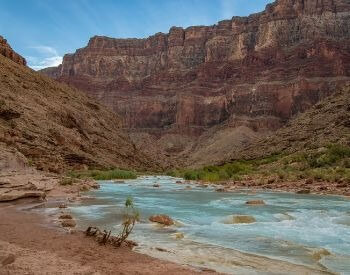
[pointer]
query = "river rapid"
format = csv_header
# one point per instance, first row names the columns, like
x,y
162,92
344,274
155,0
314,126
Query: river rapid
x,y
292,234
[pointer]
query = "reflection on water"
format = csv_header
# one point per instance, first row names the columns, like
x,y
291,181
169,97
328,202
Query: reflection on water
x,y
292,233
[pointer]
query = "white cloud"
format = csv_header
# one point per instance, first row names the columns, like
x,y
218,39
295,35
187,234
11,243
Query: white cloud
x,y
46,57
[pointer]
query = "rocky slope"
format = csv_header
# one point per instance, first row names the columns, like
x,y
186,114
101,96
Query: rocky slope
x,y
251,73
327,122
56,128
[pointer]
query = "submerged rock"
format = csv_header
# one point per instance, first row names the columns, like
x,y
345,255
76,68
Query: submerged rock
x,y
156,185
162,219
319,254
255,202
178,235
237,219
284,217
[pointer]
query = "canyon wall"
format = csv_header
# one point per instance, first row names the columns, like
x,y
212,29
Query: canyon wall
x,y
253,72
7,51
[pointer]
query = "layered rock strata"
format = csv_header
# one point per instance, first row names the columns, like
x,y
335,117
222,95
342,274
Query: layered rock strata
x,y
253,72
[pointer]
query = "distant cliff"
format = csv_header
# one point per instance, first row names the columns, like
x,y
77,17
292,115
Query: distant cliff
x,y
253,72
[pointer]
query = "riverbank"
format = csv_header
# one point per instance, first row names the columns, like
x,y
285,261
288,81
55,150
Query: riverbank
x,y
40,248
298,187
31,243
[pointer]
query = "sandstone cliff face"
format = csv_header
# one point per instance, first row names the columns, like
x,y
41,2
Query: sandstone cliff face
x,y
254,72
6,50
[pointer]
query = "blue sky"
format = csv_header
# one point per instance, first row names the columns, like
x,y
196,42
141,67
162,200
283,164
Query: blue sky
x,y
44,30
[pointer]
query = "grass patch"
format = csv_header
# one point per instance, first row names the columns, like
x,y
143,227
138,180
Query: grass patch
x,y
103,174
330,163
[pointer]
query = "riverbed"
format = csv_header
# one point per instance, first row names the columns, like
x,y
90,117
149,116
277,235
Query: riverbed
x,y
292,233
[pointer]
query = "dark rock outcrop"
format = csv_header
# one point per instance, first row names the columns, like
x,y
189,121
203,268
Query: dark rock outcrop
x,y
254,72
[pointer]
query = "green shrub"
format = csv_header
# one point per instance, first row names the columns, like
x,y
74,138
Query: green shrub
x,y
104,175
191,175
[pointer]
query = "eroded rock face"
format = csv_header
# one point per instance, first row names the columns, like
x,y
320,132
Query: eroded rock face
x,y
7,51
255,71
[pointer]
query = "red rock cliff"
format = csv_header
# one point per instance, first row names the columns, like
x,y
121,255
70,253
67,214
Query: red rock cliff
x,y
254,71
6,50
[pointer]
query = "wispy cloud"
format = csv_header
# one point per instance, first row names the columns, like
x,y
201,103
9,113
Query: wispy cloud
x,y
45,56
45,50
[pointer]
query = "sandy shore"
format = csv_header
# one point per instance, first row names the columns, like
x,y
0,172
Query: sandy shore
x,y
40,248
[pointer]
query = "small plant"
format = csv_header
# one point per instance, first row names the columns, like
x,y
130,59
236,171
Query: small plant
x,y
131,216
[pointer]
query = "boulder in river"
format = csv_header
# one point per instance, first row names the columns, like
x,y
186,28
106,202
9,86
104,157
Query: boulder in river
x,y
156,185
237,219
255,202
162,219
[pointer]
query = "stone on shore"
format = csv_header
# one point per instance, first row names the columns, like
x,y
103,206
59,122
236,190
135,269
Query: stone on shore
x,y
12,195
68,223
65,217
8,260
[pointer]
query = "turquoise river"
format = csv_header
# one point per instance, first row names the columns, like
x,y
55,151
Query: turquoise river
x,y
293,234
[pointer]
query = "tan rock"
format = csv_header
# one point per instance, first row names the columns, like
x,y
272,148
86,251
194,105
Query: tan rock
x,y
255,202
68,223
66,217
162,219
12,195
238,219
8,260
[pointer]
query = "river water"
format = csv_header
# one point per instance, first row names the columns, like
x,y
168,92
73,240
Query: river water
x,y
293,234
